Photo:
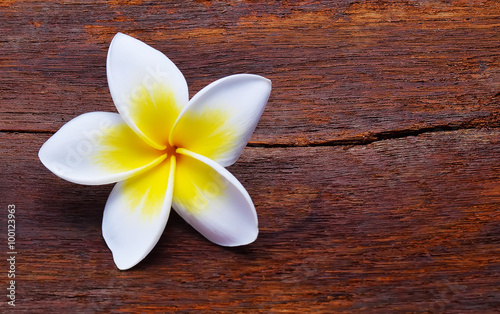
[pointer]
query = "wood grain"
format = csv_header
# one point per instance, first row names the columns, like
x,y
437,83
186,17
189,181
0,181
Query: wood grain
x,y
406,224
374,170
340,71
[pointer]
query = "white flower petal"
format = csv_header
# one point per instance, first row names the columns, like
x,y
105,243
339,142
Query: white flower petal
x,y
213,201
97,148
147,88
220,119
136,213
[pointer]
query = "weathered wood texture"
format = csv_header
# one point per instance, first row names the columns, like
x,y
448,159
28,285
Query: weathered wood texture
x,y
374,170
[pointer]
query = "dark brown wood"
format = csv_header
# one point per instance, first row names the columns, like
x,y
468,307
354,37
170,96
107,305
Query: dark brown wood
x,y
374,170
340,70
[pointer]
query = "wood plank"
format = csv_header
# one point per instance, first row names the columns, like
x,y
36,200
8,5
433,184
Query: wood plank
x,y
342,71
390,202
409,224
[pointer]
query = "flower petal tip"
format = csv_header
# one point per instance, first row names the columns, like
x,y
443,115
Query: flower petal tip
x,y
248,238
124,259
121,264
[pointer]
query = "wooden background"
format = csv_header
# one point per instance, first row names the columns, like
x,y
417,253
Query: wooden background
x,y
374,169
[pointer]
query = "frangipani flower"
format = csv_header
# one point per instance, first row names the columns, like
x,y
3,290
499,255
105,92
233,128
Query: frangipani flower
x,y
164,151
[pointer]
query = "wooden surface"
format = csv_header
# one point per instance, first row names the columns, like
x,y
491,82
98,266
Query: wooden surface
x,y
374,170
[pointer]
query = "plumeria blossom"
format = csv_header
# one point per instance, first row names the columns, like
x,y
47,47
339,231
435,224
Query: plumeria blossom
x,y
164,151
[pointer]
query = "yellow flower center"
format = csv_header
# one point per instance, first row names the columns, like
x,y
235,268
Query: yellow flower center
x,y
170,150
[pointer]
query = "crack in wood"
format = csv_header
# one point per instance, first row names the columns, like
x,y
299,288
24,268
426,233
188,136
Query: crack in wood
x,y
490,122
392,134
26,131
